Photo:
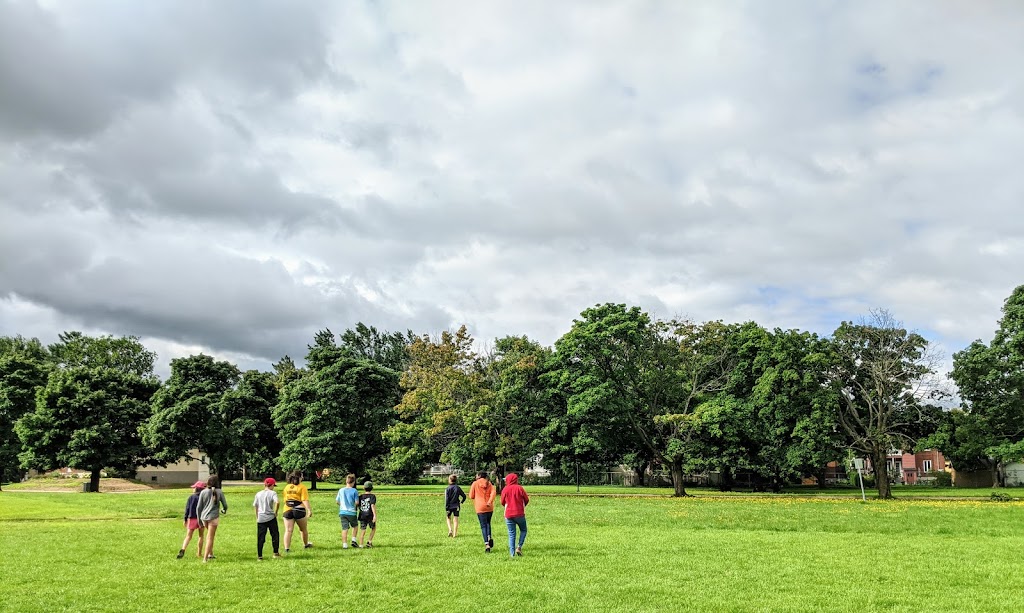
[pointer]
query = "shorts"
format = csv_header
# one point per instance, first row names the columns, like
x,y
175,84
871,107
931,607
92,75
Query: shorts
x,y
193,524
295,513
210,523
348,521
453,512
372,525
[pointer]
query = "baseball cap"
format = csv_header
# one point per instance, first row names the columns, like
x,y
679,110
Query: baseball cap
x,y
201,484
269,481
368,486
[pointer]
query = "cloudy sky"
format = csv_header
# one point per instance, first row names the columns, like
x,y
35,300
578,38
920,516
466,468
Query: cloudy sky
x,y
231,176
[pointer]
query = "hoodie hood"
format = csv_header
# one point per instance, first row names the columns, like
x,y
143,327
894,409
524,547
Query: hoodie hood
x,y
511,479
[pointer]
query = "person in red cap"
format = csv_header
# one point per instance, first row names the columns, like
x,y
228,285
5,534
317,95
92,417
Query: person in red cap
x,y
192,520
266,505
514,499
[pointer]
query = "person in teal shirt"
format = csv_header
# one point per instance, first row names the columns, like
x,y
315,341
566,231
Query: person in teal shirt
x,y
347,498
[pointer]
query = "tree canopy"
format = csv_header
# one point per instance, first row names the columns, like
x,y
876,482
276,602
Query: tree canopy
x,y
884,376
89,413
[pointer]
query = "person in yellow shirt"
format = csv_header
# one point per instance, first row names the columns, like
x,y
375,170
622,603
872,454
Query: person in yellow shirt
x,y
298,511
482,493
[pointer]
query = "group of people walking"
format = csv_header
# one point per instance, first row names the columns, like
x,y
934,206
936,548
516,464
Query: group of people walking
x,y
483,494
357,512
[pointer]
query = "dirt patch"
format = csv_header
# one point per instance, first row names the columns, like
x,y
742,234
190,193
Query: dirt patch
x,y
112,486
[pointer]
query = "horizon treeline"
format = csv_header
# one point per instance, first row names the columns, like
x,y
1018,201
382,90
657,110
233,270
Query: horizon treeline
x,y
619,388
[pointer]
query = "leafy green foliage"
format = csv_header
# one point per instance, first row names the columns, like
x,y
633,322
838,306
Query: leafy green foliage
x,y
502,429
632,383
189,412
443,382
23,370
90,411
247,414
333,415
990,430
883,375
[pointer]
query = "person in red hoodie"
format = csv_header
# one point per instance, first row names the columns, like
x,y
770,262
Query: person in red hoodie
x,y
515,499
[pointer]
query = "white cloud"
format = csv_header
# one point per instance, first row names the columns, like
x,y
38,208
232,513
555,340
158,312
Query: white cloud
x,y
421,166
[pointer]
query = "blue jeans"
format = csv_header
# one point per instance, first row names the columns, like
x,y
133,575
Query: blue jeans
x,y
485,524
511,523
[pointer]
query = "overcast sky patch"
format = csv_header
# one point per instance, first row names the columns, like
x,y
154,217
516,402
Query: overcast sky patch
x,y
231,177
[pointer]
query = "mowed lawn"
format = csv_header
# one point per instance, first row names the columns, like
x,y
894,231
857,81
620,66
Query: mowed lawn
x,y
116,552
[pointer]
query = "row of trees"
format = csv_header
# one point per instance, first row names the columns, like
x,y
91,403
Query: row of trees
x,y
619,387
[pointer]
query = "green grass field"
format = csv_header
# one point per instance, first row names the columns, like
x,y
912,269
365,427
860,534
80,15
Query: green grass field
x,y
115,552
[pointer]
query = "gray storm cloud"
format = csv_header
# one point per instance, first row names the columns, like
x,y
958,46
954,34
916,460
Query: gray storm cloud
x,y
233,176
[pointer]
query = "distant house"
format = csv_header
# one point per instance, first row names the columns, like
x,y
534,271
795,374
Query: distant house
x,y
189,469
913,468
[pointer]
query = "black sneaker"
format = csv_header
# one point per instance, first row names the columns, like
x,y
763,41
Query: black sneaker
x,y
181,554
519,551
355,545
369,545
287,550
307,545
487,549
490,542
259,559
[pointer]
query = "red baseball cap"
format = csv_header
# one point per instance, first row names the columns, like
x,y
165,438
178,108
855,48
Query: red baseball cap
x,y
269,481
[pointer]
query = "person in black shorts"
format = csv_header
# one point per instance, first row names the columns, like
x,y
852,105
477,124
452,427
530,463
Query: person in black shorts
x,y
297,510
367,514
453,499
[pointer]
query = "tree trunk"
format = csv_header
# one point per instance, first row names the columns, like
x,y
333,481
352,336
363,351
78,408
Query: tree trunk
x,y
312,479
881,470
676,468
640,470
499,470
820,478
725,480
94,480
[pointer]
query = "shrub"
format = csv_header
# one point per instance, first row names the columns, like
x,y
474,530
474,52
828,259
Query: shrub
x,y
869,480
1001,497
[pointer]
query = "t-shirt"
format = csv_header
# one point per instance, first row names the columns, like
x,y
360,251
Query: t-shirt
x,y
295,495
346,499
366,502
265,503
191,507
453,497
211,500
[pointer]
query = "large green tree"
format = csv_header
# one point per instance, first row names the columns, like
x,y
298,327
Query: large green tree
x,y
90,411
644,379
884,377
443,382
332,415
989,432
189,413
502,430
783,423
23,369
247,413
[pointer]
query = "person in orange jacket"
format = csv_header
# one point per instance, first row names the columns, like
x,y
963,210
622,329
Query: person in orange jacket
x,y
482,493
